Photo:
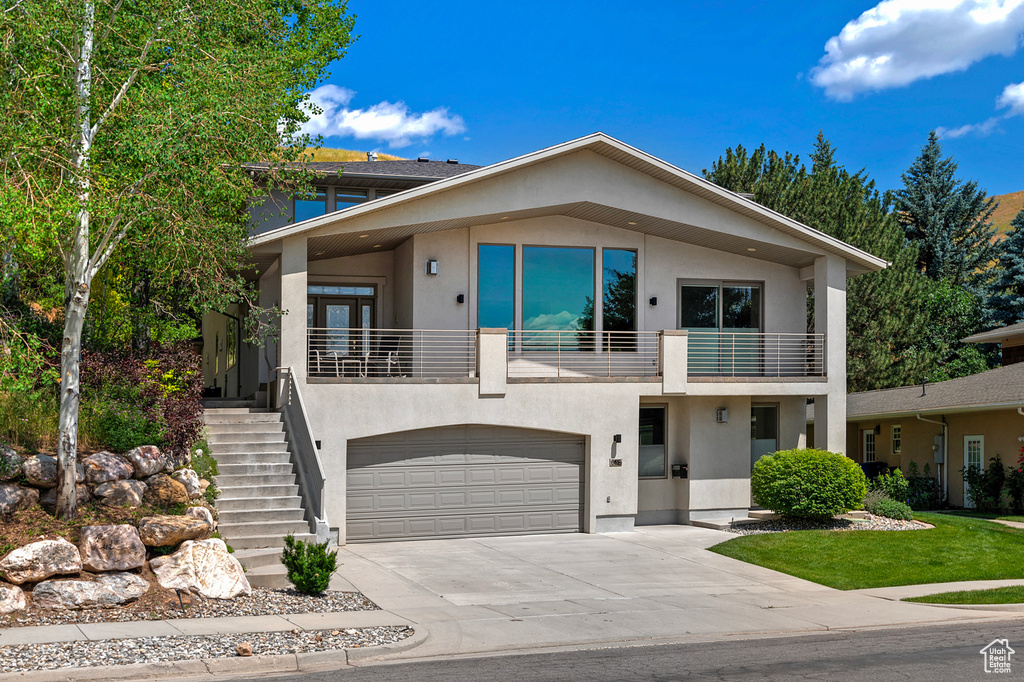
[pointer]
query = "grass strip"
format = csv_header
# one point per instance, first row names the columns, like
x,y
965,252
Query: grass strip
x,y
1013,594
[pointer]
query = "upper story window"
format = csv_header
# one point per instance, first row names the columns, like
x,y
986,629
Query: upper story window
x,y
897,439
496,292
310,205
558,288
619,313
720,306
344,197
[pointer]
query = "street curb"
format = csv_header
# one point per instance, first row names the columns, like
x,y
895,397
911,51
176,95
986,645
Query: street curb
x,y
224,665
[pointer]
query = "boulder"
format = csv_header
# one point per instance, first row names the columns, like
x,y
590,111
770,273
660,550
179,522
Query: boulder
x,y
40,471
164,491
203,567
165,530
177,459
111,548
203,484
202,513
48,498
104,467
15,498
111,589
190,480
146,460
11,599
10,463
40,560
120,493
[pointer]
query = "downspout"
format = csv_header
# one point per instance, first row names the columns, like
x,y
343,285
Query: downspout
x,y
945,452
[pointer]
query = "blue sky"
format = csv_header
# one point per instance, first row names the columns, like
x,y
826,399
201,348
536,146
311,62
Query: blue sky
x,y
483,82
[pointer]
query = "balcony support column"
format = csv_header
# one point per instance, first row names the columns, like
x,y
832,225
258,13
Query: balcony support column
x,y
830,320
492,362
294,297
672,360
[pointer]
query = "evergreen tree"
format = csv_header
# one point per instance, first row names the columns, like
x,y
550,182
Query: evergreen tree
x,y
1006,302
949,219
885,315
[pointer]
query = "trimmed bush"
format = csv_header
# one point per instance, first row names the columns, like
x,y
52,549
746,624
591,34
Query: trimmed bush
x,y
891,509
813,484
309,565
924,492
895,485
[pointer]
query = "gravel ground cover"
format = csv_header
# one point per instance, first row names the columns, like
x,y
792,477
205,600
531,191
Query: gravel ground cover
x,y
872,522
82,654
262,602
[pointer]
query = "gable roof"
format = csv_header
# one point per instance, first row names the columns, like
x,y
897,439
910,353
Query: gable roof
x,y
617,151
998,335
1002,387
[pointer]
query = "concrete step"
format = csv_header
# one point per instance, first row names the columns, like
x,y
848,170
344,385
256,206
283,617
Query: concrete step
x,y
261,480
254,515
252,458
219,411
270,577
221,429
222,403
260,541
250,491
229,503
259,558
237,531
215,439
724,523
254,468
228,417
763,514
244,448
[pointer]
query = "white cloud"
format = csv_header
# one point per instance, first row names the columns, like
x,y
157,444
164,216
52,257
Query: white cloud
x,y
1012,98
389,122
897,42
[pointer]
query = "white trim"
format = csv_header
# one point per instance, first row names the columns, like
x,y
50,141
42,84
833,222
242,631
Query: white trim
x,y
728,198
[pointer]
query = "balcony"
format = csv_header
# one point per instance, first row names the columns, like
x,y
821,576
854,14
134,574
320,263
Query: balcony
x,y
388,355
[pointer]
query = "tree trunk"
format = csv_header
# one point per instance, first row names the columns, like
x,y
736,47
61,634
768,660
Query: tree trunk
x,y
70,392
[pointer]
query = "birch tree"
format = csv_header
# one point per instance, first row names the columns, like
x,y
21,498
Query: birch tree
x,y
126,125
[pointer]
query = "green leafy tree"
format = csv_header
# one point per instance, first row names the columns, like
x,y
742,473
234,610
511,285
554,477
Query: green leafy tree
x,y
126,125
949,219
1006,301
885,318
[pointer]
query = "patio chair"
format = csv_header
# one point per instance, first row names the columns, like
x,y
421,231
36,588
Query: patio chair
x,y
383,361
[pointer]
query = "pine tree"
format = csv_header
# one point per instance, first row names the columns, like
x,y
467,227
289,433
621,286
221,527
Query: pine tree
x,y
885,315
1006,302
949,219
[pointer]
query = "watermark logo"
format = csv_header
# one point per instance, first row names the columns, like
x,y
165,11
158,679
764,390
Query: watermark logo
x,y
997,656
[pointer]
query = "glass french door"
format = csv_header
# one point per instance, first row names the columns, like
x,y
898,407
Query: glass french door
x,y
723,314
974,458
341,326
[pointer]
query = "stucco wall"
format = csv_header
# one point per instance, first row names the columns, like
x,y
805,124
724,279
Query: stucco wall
x,y
375,268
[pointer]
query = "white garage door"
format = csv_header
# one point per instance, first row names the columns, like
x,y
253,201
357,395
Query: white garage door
x,y
464,481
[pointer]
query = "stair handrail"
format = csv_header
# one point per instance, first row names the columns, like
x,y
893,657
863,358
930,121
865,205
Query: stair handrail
x,y
303,446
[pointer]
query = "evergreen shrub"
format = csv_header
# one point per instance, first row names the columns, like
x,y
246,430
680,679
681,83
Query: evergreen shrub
x,y
808,483
309,565
891,509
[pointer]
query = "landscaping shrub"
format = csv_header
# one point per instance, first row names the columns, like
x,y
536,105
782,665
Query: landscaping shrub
x,y
923,491
895,485
808,483
309,565
892,509
872,498
1015,484
985,486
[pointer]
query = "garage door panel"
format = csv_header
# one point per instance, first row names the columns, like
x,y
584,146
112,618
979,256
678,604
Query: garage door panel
x,y
464,481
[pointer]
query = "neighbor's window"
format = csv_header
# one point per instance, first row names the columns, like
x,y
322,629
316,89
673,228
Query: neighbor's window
x,y
496,284
343,198
652,443
897,439
558,289
311,205
869,446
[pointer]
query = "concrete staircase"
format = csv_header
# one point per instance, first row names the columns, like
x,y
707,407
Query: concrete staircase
x,y
259,501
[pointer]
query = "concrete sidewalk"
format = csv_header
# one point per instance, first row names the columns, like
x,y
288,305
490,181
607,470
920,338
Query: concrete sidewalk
x,y
491,595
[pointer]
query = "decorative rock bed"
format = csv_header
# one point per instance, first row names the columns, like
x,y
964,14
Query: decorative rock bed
x,y
870,522
25,657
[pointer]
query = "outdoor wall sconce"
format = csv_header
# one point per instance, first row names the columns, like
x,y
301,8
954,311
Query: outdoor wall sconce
x,y
461,298
617,438
680,471
432,266
654,300
721,415
878,429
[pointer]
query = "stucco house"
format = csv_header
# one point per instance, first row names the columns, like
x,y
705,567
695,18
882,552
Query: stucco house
x,y
947,425
580,339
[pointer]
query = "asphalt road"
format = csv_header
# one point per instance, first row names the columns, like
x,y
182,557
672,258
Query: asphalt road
x,y
935,654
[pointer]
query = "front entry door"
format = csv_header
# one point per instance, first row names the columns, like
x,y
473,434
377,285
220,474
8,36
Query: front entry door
x,y
339,329
764,431
974,457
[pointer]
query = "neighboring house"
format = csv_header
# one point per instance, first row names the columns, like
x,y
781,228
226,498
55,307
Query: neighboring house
x,y
966,420
546,344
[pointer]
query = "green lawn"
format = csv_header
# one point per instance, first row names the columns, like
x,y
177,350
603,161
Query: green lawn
x,y
958,548
984,515
998,595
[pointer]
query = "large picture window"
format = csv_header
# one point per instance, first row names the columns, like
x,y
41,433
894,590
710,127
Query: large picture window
x,y
496,283
558,288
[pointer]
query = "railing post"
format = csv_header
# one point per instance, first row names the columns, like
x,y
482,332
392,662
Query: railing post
x,y
492,361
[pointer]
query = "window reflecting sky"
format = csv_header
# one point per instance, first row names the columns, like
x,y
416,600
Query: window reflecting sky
x,y
496,271
556,285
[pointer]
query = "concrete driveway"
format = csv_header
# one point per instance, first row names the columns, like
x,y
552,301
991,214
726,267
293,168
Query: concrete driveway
x,y
657,584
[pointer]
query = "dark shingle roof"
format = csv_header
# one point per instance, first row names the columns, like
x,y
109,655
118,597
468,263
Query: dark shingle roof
x,y
410,168
997,335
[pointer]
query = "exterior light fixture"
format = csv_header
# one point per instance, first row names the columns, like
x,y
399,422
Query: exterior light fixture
x,y
631,223
654,300
617,438
751,249
432,268
461,298
363,236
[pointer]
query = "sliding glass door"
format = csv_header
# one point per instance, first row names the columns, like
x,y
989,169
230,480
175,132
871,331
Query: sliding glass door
x,y
726,320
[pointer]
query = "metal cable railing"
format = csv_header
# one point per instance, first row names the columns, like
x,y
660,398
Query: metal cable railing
x,y
582,354
391,353
750,354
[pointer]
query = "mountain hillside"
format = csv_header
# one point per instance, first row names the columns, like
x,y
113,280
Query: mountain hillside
x,y
326,154
1009,206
